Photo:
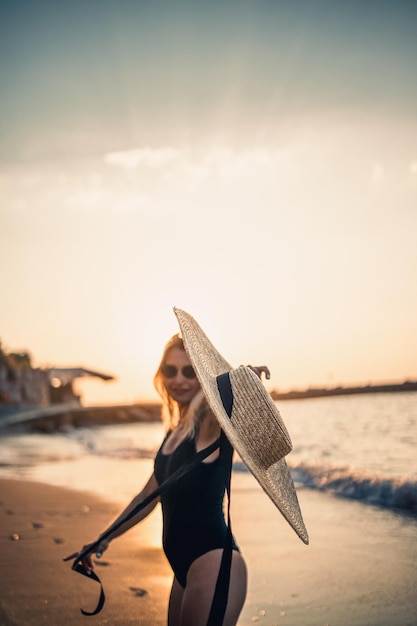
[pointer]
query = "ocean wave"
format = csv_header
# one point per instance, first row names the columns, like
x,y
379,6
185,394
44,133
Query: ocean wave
x,y
347,482
399,492
123,450
391,492
125,454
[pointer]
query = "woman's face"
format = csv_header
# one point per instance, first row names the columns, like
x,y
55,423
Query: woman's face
x,y
179,386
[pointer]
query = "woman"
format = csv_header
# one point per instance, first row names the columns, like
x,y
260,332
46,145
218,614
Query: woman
x,y
194,528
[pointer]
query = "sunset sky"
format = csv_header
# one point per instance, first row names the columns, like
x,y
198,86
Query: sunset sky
x,y
252,162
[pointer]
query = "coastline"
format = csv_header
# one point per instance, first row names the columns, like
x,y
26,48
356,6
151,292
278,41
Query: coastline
x,y
330,392
359,568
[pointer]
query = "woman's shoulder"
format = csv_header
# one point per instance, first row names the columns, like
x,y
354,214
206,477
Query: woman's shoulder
x,y
205,412
209,424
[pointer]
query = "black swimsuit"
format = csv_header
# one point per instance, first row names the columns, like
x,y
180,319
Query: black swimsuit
x,y
192,509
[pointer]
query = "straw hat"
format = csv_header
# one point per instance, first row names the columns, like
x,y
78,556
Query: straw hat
x,y
249,418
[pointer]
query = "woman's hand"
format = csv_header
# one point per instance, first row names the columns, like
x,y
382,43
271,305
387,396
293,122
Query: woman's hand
x,y
260,369
98,550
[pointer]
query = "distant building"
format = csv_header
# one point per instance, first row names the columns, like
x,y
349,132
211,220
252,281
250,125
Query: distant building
x,y
21,385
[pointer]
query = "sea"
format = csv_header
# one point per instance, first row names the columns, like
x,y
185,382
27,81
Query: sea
x,y
361,447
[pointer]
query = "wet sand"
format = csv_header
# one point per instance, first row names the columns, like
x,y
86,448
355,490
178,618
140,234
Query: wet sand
x,y
359,569
37,587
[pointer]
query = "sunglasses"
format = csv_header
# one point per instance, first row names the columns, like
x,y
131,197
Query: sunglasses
x,y
170,371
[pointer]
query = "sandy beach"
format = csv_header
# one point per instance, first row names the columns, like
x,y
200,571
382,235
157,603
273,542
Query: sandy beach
x,y
37,587
360,568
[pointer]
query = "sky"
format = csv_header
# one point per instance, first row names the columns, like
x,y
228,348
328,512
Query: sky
x,y
251,162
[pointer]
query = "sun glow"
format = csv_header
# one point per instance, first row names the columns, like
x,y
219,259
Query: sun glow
x,y
265,186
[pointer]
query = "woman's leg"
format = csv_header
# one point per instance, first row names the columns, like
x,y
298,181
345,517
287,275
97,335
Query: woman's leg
x,y
175,604
201,581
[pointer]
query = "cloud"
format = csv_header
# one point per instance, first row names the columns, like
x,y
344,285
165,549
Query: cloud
x,y
132,159
195,167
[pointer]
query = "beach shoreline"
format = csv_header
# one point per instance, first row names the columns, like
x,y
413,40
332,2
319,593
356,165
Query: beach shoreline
x,y
359,569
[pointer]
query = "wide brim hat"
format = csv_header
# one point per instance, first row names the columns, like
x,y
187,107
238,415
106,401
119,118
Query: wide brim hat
x,y
249,418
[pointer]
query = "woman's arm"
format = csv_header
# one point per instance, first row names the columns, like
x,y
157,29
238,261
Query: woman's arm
x,y
150,486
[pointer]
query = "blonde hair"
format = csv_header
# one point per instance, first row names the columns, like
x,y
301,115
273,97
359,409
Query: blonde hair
x,y
173,415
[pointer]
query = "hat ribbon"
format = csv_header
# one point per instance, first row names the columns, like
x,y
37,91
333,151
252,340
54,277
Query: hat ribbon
x,y
226,393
